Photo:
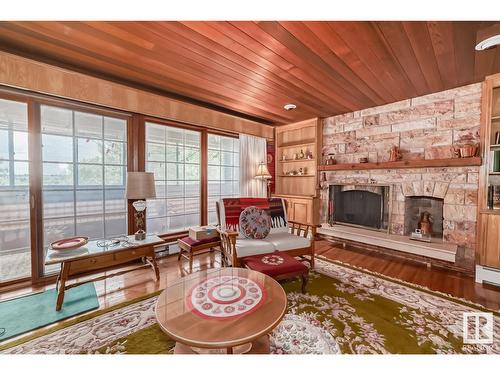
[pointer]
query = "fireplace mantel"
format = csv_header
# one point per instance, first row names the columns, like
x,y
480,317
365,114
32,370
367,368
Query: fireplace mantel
x,y
417,163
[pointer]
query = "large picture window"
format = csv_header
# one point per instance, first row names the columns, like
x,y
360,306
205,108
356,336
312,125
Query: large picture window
x,y
223,171
15,250
84,159
173,155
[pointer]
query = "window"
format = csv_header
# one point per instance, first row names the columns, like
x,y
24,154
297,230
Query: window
x,y
173,155
223,171
84,170
15,244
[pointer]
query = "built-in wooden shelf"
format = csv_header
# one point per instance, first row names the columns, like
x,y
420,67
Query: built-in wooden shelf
x,y
491,211
297,175
494,146
494,173
295,160
495,118
434,163
307,142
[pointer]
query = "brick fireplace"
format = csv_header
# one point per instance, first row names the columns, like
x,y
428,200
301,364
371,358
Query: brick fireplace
x,y
427,127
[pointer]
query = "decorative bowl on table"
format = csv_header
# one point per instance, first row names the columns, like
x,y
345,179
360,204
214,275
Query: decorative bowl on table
x,y
69,243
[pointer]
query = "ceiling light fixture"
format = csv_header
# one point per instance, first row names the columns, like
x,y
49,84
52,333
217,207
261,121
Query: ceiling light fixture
x,y
488,43
289,106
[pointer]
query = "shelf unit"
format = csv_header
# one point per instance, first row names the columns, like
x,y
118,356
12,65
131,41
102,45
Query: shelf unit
x,y
295,160
488,232
423,163
300,191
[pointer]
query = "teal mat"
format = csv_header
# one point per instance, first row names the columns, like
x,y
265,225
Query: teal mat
x,y
23,314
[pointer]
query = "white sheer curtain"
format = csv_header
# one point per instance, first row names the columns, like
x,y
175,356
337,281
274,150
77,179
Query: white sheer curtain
x,y
252,152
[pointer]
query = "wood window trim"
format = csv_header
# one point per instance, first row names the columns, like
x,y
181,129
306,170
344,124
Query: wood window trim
x,y
136,161
34,102
25,95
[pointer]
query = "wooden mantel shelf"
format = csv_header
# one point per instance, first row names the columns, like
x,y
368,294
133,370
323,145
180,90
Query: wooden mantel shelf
x,y
435,163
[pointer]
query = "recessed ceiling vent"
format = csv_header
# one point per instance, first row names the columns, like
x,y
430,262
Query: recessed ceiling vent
x,y
289,106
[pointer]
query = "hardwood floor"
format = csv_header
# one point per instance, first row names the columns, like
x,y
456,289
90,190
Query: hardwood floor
x,y
437,279
139,283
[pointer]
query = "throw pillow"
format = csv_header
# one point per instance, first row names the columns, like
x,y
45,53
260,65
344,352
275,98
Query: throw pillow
x,y
255,223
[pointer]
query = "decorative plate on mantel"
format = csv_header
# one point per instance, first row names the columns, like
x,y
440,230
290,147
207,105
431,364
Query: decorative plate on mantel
x,y
69,243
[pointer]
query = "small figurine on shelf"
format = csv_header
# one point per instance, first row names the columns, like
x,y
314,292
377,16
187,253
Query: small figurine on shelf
x,y
309,155
395,154
295,156
301,172
283,157
302,155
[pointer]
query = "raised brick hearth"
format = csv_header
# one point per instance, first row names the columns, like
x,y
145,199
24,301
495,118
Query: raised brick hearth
x,y
425,127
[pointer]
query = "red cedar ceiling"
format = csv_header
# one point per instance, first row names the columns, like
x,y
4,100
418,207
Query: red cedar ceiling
x,y
254,68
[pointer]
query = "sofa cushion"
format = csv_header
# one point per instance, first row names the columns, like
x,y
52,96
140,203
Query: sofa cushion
x,y
275,264
287,241
247,246
255,223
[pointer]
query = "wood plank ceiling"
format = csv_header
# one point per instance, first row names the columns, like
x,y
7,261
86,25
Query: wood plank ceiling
x,y
254,68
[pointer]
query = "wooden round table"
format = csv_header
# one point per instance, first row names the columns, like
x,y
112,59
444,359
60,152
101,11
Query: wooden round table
x,y
227,310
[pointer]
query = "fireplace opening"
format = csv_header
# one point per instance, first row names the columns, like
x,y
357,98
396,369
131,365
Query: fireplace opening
x,y
359,205
424,213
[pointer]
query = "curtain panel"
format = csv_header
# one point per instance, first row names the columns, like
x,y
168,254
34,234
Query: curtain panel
x,y
252,152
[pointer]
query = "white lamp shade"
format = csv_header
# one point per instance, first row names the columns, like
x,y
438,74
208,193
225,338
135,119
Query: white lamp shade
x,y
263,172
140,185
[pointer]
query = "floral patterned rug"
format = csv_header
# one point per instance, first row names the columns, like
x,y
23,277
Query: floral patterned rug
x,y
346,310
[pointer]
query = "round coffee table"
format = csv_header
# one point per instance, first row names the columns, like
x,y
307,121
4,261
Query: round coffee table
x,y
228,310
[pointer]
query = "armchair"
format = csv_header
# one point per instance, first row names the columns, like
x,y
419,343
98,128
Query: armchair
x,y
297,239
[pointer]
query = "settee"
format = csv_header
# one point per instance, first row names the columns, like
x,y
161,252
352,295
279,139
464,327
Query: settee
x,y
296,239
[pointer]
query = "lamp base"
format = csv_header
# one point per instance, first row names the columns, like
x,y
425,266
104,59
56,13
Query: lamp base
x,y
140,235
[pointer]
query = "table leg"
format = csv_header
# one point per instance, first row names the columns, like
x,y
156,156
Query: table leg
x,y
63,277
58,279
305,279
190,260
155,267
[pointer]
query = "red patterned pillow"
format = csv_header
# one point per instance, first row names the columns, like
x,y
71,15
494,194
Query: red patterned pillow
x,y
255,223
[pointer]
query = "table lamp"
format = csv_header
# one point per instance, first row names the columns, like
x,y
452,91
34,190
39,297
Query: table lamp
x,y
140,186
263,174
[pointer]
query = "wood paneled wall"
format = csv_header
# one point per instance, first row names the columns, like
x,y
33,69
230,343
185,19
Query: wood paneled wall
x,y
19,72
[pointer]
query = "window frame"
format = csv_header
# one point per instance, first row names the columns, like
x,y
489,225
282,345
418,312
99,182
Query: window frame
x,y
158,122
135,156
34,102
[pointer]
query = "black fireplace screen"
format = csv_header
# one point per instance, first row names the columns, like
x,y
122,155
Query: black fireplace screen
x,y
362,205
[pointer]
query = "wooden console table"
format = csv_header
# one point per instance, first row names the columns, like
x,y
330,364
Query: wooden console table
x,y
91,259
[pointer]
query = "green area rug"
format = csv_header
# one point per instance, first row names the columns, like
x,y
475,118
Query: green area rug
x,y
24,314
346,310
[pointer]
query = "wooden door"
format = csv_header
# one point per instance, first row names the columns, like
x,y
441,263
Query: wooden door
x,y
491,243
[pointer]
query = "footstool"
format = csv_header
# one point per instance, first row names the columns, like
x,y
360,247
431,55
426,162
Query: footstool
x,y
279,266
190,246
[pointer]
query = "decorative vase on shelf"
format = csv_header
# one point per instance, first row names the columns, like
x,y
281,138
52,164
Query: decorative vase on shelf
x,y
394,154
301,155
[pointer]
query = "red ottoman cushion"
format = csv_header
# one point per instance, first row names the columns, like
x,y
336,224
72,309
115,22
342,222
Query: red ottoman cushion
x,y
189,241
275,264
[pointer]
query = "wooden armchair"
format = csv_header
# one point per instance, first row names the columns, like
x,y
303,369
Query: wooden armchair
x,y
282,241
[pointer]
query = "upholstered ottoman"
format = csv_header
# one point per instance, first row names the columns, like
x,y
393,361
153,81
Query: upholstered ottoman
x,y
278,265
190,246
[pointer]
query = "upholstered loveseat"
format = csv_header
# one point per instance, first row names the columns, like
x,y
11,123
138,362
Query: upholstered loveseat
x,y
290,236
